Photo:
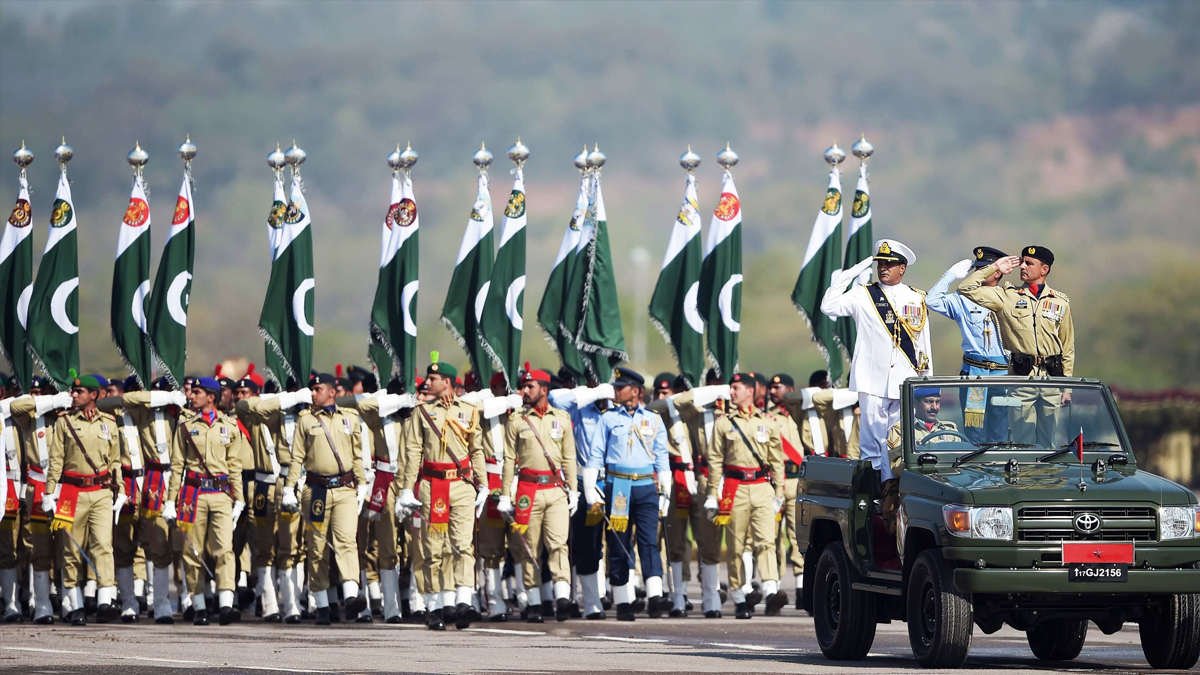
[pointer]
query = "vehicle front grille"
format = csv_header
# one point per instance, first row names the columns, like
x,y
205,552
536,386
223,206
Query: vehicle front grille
x,y
1057,523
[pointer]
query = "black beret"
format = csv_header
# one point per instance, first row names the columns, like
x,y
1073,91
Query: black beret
x,y
664,381
784,379
321,378
1039,253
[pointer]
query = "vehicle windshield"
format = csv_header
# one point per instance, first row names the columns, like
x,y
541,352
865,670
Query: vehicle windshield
x,y
1019,418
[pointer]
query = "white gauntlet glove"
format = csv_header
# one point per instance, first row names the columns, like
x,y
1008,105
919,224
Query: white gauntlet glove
x,y
288,502
779,501
591,492
168,511
238,508
406,504
364,492
664,493
572,502
481,498
505,505
711,509
49,504
118,504
690,477
962,268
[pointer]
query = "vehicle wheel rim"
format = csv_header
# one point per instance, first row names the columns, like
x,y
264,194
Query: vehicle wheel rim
x,y
928,613
834,604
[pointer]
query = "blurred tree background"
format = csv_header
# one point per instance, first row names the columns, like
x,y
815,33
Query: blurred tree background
x,y
1074,125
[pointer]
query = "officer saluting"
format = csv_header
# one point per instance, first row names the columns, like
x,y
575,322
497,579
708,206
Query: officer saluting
x,y
328,447
82,482
983,348
206,496
892,343
539,452
1035,324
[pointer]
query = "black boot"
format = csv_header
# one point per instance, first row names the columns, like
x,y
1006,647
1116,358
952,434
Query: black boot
x,y
143,606
377,607
574,611
355,606
189,613
462,615
712,614
165,620
405,610
107,612
548,608
200,617
449,614
533,614
606,601
562,609
292,619
421,617
335,614
89,605
435,620
754,597
639,604
625,612
245,597
472,613
774,603
654,607
323,615
273,618
596,616
77,618
741,611
228,615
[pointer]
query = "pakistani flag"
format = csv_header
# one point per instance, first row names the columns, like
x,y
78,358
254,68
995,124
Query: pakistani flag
x,y
720,293
550,311
53,329
286,319
16,279
469,282
172,289
501,324
858,248
600,336
822,258
393,348
131,285
673,308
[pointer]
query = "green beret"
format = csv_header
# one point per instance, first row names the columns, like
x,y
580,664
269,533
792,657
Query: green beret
x,y
441,368
87,382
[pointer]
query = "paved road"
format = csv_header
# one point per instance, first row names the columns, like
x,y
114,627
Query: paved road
x,y
695,645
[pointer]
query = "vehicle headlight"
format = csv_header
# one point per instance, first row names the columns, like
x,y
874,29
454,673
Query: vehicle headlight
x,y
1178,522
979,522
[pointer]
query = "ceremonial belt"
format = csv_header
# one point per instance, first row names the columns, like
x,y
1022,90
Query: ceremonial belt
x,y
630,476
986,365
269,477
541,478
156,466
381,465
887,314
558,472
218,483
766,470
1023,364
83,450
85,481
439,471
680,465
744,475
130,472
463,471
346,479
494,468
204,465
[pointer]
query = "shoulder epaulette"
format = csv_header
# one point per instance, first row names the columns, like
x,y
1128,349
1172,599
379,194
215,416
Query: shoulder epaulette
x,y
1060,294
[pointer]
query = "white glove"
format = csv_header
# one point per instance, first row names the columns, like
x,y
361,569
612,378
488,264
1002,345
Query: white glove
x,y
711,509
44,404
665,482
690,477
705,396
368,479
238,508
406,504
779,504
364,491
664,505
586,395
288,502
49,504
514,401
863,265
572,502
591,492
178,399
962,268
481,498
390,403
505,505
118,504
168,511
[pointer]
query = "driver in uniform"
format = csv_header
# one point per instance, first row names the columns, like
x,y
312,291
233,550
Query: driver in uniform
x,y
928,403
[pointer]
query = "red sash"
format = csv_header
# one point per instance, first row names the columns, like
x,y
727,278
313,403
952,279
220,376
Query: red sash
x,y
526,492
12,501
155,492
790,450
130,507
379,490
491,515
439,495
39,520
68,500
725,505
683,498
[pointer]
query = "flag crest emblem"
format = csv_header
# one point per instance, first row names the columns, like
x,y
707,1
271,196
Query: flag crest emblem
x,y
20,214
136,213
182,211
862,203
61,214
277,214
406,212
516,205
293,214
728,207
833,202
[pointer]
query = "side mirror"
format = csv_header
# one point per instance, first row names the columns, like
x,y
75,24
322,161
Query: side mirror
x,y
927,458
1115,460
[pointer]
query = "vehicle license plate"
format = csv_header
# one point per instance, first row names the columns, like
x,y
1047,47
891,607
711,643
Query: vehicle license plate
x,y
1099,572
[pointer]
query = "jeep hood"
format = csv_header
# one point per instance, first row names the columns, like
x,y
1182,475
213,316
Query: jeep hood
x,y
988,483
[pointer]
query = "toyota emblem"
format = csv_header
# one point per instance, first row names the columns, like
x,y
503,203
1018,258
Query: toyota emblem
x,y
1087,523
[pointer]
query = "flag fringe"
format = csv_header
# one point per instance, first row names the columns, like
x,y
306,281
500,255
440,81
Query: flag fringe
x,y
497,364
39,365
274,346
125,360
162,365
379,338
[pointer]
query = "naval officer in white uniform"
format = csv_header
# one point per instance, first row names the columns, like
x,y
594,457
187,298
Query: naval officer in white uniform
x,y
892,343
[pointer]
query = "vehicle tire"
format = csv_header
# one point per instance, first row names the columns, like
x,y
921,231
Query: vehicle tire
x,y
844,618
940,619
1171,640
1057,639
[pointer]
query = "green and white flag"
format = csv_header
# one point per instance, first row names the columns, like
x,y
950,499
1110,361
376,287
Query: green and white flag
x,y
469,282
16,280
286,319
501,324
393,348
858,248
173,288
599,337
131,286
822,258
550,311
53,329
673,307
720,293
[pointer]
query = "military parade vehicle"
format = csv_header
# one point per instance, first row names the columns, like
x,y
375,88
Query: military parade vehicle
x,y
1001,524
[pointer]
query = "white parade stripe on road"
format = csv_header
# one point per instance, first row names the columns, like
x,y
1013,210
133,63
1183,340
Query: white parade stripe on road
x,y
161,660
614,638
504,631
753,648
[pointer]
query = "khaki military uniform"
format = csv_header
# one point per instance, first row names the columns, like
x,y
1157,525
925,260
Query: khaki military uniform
x,y
427,456
752,517
1035,327
33,434
155,430
699,423
529,438
207,454
92,527
272,431
492,528
337,468
789,432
